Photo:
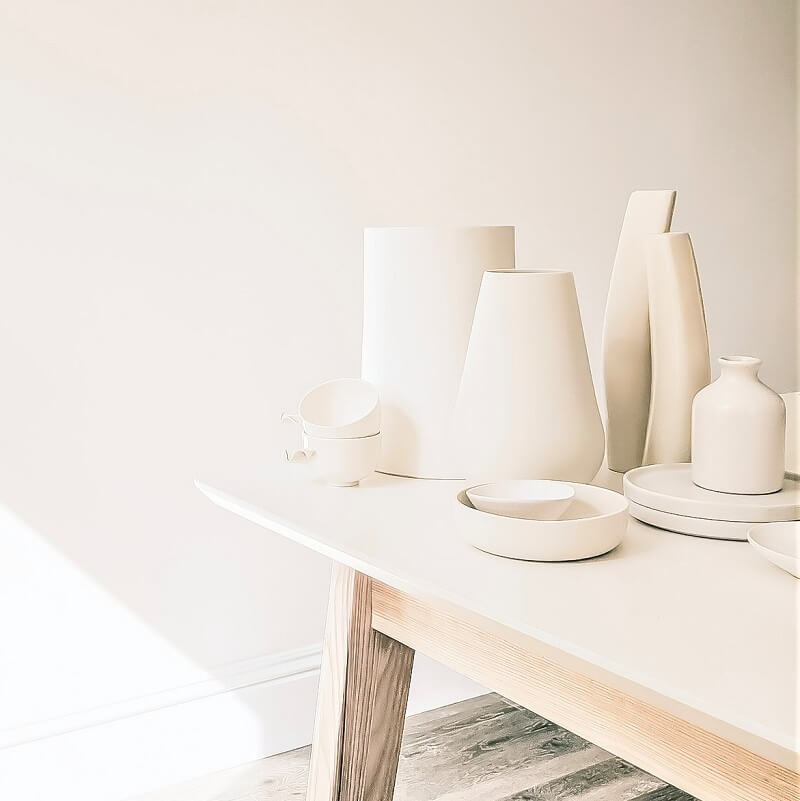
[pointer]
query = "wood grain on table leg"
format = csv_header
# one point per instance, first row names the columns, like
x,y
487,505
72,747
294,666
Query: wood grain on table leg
x,y
361,707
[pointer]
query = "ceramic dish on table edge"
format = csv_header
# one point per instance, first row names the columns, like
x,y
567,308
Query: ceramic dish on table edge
x,y
594,524
668,488
527,499
779,543
693,526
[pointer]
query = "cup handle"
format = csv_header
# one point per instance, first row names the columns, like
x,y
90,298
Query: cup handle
x,y
302,456
290,418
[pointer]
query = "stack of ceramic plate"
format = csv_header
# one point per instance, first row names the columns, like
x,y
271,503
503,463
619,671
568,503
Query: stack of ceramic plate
x,y
543,521
664,496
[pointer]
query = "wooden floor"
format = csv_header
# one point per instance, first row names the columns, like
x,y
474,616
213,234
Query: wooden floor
x,y
483,749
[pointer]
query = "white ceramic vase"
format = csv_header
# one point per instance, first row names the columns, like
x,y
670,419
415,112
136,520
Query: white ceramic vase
x,y
626,330
420,289
526,407
792,401
681,365
738,426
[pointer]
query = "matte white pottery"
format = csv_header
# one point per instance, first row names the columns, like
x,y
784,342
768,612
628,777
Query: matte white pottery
x,y
341,409
693,526
626,330
594,524
341,462
681,365
669,488
779,543
738,431
792,401
526,499
526,406
420,288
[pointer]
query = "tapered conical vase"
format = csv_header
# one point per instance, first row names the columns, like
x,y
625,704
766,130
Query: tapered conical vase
x,y
526,406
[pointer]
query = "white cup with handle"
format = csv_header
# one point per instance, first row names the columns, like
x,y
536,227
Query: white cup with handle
x,y
340,462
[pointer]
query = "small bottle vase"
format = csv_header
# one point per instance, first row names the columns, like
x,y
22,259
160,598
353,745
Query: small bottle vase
x,y
738,430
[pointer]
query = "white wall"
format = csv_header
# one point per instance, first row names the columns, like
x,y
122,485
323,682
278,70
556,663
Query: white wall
x,y
183,191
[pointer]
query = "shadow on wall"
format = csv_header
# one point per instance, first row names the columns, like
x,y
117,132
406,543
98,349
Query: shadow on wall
x,y
64,729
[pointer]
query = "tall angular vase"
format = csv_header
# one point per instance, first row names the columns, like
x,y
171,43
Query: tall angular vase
x,y
527,407
626,330
420,290
681,365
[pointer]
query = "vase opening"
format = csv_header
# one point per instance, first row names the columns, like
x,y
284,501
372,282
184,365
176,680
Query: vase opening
x,y
739,361
528,272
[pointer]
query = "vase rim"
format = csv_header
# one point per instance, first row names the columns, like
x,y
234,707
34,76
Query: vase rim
x,y
739,361
522,271
443,228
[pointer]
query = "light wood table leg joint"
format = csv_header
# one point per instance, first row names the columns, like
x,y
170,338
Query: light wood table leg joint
x,y
363,692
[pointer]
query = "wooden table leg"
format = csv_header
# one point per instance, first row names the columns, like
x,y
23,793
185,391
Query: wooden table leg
x,y
363,691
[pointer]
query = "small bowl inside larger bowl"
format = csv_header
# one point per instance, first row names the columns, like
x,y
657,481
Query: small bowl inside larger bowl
x,y
527,499
594,524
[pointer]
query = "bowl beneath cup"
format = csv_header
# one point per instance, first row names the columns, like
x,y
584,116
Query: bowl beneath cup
x,y
342,462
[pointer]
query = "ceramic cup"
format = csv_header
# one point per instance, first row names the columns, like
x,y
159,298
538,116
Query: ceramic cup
x,y
344,408
340,462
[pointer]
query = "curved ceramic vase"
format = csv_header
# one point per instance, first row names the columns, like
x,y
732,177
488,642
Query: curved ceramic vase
x,y
738,429
420,289
526,407
626,330
681,365
792,403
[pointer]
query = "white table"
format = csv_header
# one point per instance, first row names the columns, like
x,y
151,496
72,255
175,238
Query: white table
x,y
676,653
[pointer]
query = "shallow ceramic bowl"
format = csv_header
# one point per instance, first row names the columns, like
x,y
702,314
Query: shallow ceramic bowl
x,y
341,409
342,462
526,499
779,543
594,523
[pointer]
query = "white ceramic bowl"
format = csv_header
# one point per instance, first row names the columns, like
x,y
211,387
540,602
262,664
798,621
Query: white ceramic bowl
x,y
342,462
528,499
779,543
595,523
341,409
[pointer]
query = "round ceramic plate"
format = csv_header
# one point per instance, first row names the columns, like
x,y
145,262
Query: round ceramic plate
x,y
669,488
594,524
779,543
696,526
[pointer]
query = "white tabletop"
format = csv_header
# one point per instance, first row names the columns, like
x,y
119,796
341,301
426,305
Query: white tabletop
x,y
704,625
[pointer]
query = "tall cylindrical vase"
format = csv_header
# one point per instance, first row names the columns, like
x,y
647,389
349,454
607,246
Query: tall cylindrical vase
x,y
527,407
681,365
420,289
626,330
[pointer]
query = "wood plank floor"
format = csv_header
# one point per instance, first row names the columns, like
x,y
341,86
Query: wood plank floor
x,y
482,749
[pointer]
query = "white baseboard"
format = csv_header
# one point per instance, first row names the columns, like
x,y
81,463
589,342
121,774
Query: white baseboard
x,y
244,712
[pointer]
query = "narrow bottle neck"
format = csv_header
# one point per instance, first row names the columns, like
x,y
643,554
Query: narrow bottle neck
x,y
739,368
